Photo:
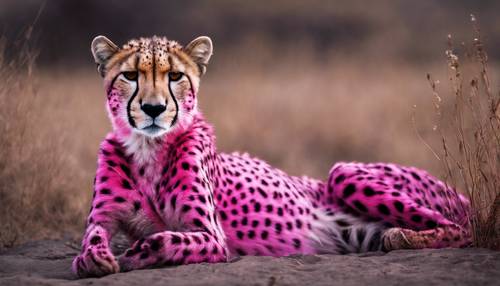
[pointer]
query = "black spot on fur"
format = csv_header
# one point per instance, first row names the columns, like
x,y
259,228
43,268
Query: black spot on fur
x,y
156,244
342,223
339,179
119,199
175,239
298,223
257,207
223,215
278,227
349,190
244,208
126,184
262,193
296,243
383,209
430,224
264,235
251,234
197,222
360,206
267,222
125,170
415,176
105,191
399,206
239,234
95,240
269,208
137,205
368,191
360,236
200,211
280,211
244,221
173,201
416,218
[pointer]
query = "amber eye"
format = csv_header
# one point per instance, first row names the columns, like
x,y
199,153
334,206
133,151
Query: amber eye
x,y
175,76
131,75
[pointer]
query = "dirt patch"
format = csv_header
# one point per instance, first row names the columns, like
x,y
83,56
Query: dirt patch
x,y
48,263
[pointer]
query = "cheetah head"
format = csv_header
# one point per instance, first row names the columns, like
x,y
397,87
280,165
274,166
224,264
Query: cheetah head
x,y
151,83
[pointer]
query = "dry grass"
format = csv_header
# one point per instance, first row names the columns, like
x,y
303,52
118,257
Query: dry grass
x,y
299,114
470,133
38,179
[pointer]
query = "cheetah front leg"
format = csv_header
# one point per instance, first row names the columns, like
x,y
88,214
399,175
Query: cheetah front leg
x,y
114,200
173,248
186,201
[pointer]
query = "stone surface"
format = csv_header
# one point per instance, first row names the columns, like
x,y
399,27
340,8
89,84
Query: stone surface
x,y
48,263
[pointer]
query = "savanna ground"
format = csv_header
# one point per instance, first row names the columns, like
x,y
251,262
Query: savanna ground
x,y
299,106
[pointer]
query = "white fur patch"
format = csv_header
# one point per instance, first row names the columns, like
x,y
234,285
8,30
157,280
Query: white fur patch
x,y
327,233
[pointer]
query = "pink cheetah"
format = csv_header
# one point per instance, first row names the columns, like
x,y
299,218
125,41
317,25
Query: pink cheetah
x,y
160,180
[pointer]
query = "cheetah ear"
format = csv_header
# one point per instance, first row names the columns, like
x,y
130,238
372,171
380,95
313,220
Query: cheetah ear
x,y
102,50
200,50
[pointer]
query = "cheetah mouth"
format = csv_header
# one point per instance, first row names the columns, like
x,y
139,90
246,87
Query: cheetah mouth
x,y
153,130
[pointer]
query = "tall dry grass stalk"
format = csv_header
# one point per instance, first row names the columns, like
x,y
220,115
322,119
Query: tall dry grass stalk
x,y
36,187
470,135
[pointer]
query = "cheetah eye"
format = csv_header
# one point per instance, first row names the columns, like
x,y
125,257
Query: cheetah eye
x,y
175,76
131,75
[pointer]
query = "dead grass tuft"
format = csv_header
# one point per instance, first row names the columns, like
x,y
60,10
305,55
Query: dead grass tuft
x,y
36,186
469,128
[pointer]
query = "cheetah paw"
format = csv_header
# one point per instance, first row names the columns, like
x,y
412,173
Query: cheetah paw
x,y
96,260
396,238
138,256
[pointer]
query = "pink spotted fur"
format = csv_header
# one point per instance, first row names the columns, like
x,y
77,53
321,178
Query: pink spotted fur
x,y
182,202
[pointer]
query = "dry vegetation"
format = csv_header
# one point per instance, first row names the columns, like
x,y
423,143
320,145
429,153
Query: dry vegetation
x,y
38,178
470,133
298,113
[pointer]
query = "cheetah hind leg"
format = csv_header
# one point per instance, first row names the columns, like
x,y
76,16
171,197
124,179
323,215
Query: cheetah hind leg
x,y
439,237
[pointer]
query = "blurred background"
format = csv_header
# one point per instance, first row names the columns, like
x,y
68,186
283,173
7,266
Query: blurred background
x,y
300,84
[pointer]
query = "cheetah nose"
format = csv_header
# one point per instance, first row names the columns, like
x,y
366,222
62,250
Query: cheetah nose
x,y
153,110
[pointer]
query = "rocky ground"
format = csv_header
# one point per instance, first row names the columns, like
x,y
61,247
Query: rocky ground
x,y
48,263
